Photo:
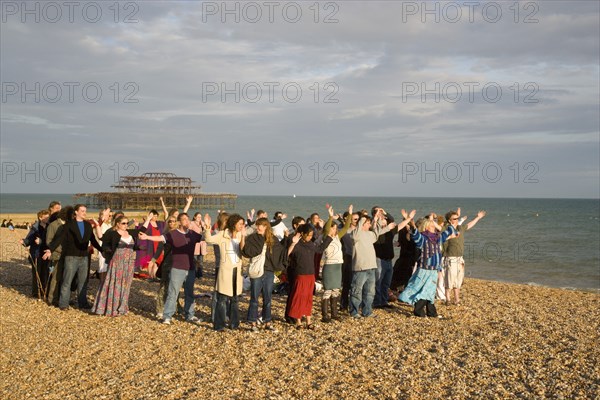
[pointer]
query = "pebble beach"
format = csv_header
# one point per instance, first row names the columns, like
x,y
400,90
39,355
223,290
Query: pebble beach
x,y
503,341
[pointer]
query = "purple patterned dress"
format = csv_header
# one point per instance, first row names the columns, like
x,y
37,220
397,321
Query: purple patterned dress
x,y
113,295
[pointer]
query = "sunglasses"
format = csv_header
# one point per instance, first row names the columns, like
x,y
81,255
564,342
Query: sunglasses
x,y
123,223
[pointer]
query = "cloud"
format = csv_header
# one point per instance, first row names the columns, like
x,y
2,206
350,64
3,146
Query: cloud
x,y
355,108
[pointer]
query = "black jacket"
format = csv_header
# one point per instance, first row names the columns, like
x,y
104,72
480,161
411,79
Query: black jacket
x,y
303,256
384,246
275,258
111,238
73,244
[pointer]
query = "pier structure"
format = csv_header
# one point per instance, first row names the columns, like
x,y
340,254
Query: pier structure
x,y
137,193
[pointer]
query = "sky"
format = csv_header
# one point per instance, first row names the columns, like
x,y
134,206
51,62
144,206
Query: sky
x,y
343,98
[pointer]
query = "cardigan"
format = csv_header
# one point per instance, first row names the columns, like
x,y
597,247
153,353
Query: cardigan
x,y
111,238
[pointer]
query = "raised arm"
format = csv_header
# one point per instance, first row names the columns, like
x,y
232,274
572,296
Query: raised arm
x,y
103,218
480,215
418,238
407,219
164,208
329,222
377,228
208,236
243,239
295,241
250,215
188,203
347,223
449,233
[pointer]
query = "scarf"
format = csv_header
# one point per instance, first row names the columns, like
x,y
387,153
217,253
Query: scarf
x,y
431,247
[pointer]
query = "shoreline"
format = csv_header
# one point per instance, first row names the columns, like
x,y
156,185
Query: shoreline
x,y
24,217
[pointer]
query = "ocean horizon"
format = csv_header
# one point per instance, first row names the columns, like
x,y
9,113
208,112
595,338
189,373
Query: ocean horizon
x,y
534,241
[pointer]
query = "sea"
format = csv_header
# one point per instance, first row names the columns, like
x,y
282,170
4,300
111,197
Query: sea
x,y
542,242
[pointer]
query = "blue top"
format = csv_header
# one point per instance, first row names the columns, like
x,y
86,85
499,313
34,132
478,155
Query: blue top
x,y
81,228
431,256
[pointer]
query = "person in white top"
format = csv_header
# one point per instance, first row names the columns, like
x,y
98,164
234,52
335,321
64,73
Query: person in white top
x,y
106,217
333,258
278,226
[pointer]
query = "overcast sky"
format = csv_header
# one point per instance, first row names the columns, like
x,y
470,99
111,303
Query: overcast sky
x,y
495,99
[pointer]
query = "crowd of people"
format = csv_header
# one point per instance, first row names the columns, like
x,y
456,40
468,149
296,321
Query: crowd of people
x,y
350,254
8,223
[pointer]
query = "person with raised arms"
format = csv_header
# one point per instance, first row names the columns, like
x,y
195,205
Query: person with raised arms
x,y
183,272
421,288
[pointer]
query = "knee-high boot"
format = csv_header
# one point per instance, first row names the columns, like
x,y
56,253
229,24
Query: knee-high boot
x,y
334,303
325,310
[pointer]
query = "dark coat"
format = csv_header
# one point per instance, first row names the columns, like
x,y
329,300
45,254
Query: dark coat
x,y
73,244
274,260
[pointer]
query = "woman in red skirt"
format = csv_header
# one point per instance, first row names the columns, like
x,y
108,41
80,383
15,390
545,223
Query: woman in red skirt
x,y
302,251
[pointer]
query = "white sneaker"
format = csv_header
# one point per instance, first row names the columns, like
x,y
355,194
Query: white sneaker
x,y
194,320
167,321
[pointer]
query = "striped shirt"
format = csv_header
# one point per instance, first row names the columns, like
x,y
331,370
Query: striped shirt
x,y
434,260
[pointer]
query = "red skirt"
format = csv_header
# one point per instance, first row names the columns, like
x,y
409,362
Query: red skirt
x,y
302,298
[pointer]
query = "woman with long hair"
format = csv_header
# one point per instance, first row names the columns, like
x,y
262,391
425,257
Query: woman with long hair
x,y
231,241
118,247
333,258
266,256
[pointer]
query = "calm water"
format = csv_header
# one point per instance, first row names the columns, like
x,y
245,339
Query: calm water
x,y
549,242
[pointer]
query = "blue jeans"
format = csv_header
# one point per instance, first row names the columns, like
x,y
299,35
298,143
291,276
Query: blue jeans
x,y
226,306
263,285
178,278
217,256
362,292
74,266
383,282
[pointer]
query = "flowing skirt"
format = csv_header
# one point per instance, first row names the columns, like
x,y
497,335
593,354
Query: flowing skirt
x,y
113,295
302,297
421,286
